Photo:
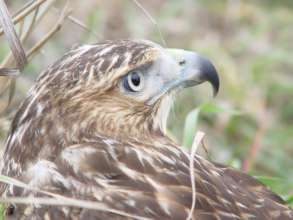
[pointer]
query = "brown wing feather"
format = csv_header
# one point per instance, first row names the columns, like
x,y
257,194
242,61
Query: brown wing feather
x,y
251,184
148,181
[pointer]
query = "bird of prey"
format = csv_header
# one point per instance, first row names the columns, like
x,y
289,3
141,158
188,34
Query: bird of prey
x,y
93,129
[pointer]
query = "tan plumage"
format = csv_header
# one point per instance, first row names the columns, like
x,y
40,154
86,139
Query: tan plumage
x,y
81,135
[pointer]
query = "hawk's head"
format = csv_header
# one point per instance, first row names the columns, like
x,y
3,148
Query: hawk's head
x,y
116,88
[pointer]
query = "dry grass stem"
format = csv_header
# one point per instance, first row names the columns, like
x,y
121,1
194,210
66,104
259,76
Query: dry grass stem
x,y
196,142
23,7
153,21
25,11
80,24
11,36
57,200
9,72
37,17
65,13
24,34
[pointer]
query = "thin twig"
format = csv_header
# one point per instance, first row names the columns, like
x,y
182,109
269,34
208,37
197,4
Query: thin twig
x,y
4,88
79,23
256,145
31,25
148,15
21,27
23,8
27,10
11,92
65,12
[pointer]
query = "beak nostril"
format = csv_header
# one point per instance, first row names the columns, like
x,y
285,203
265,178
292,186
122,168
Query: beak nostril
x,y
182,62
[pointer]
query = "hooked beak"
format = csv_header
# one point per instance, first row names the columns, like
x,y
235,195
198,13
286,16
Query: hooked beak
x,y
194,69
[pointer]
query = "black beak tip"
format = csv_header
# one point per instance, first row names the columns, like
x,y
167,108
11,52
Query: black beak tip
x,y
210,74
215,83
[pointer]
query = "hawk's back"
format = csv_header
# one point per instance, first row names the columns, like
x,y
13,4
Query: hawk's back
x,y
141,180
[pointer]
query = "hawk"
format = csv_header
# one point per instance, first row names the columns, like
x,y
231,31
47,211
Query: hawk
x,y
93,129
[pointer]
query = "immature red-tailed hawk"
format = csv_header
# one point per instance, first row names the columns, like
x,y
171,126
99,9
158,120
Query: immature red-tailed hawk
x,y
93,128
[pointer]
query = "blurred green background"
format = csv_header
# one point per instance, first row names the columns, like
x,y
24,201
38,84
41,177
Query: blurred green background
x,y
249,124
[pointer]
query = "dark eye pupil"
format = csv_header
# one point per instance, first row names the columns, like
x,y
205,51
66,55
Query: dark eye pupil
x,y
135,79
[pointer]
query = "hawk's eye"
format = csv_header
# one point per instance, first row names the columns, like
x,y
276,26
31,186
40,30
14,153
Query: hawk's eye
x,y
133,81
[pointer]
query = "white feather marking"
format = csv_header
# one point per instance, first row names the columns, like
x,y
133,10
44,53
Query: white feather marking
x,y
129,172
109,141
223,200
40,108
167,159
215,173
91,74
160,120
21,131
44,172
241,205
74,155
106,50
230,192
227,214
127,58
165,207
141,157
113,61
131,202
79,52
